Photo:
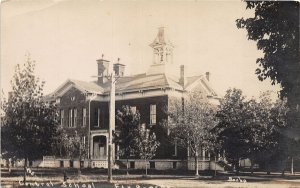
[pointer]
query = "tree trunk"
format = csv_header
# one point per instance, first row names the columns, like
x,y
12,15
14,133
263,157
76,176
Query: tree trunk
x,y
146,166
292,166
80,157
25,171
268,168
127,166
237,167
251,167
196,164
283,168
9,166
215,165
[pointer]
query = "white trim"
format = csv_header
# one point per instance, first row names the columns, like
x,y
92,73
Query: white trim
x,y
205,85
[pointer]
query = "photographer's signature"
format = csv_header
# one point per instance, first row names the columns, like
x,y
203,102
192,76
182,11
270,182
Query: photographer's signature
x,y
238,179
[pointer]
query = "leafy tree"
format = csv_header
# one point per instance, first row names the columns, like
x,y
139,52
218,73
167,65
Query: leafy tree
x,y
132,137
69,146
192,121
145,143
275,27
128,123
29,125
268,118
251,128
233,132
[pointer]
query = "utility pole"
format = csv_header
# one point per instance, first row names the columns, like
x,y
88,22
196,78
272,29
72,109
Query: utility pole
x,y
111,125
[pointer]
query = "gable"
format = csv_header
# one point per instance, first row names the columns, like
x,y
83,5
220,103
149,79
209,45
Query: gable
x,y
72,96
84,87
65,87
201,85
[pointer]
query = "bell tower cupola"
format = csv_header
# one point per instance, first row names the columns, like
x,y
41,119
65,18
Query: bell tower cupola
x,y
162,48
162,53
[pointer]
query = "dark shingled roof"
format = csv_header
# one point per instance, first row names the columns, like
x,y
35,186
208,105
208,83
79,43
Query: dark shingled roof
x,y
134,83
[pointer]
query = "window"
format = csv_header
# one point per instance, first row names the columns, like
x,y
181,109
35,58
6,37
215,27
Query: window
x,y
75,117
82,141
152,114
84,117
62,117
97,117
175,148
70,117
152,164
174,164
132,165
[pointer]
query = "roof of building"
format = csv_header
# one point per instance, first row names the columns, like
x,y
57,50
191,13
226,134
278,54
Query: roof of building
x,y
144,81
89,87
134,83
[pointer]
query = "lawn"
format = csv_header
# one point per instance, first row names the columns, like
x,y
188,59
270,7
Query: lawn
x,y
94,178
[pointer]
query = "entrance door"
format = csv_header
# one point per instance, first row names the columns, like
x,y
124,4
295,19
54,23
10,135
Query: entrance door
x,y
99,150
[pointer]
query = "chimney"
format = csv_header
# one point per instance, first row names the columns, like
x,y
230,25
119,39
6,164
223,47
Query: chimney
x,y
103,66
182,80
119,68
207,74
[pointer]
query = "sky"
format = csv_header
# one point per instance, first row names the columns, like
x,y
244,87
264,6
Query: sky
x,y
66,37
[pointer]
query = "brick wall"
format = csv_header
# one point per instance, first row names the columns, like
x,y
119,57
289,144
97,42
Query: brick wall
x,y
75,99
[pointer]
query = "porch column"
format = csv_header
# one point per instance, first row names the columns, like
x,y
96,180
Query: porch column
x,y
203,153
118,148
188,151
106,147
91,147
113,147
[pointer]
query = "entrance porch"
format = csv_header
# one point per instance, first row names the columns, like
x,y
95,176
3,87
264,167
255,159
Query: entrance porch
x,y
99,146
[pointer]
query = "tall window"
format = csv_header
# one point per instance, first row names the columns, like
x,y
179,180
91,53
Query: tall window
x,y
70,117
97,117
152,114
82,141
84,117
175,148
75,118
98,123
62,117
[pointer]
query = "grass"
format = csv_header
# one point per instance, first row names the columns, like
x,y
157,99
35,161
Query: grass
x,y
155,177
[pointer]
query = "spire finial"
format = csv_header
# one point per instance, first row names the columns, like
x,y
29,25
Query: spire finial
x,y
118,59
102,56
